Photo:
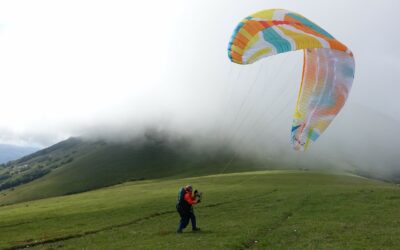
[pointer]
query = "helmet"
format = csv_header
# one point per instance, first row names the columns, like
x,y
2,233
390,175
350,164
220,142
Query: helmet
x,y
188,188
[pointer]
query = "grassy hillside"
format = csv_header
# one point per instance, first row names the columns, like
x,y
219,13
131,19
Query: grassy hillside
x,y
40,163
76,165
258,210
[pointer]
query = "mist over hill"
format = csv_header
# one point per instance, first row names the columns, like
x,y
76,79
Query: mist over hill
x,y
107,156
360,140
81,164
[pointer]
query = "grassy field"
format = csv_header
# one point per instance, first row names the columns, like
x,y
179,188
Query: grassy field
x,y
255,210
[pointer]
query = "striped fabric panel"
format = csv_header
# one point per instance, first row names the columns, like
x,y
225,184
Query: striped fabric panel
x,y
293,26
328,68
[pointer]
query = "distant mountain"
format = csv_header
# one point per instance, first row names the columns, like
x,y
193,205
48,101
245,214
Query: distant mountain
x,y
76,165
13,152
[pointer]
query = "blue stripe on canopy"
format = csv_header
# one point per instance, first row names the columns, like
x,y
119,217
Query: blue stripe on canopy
x,y
281,45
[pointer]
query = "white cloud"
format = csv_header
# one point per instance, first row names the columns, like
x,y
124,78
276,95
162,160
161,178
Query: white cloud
x,y
69,66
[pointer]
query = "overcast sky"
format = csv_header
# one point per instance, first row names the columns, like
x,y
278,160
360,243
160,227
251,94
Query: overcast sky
x,y
69,68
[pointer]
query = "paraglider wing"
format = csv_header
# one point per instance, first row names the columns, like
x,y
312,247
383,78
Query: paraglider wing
x,y
328,69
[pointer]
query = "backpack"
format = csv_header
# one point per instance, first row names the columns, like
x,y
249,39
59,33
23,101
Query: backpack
x,y
181,197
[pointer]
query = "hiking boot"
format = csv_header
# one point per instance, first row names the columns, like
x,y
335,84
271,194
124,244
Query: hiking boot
x,y
196,229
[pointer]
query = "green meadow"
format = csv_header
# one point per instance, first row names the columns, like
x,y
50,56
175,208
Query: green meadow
x,y
252,210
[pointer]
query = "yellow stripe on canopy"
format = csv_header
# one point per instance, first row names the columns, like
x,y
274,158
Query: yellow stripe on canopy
x,y
258,54
264,14
302,40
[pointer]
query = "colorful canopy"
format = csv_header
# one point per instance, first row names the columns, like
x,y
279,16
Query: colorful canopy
x,y
328,69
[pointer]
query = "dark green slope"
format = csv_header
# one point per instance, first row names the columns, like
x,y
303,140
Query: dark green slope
x,y
87,165
41,163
